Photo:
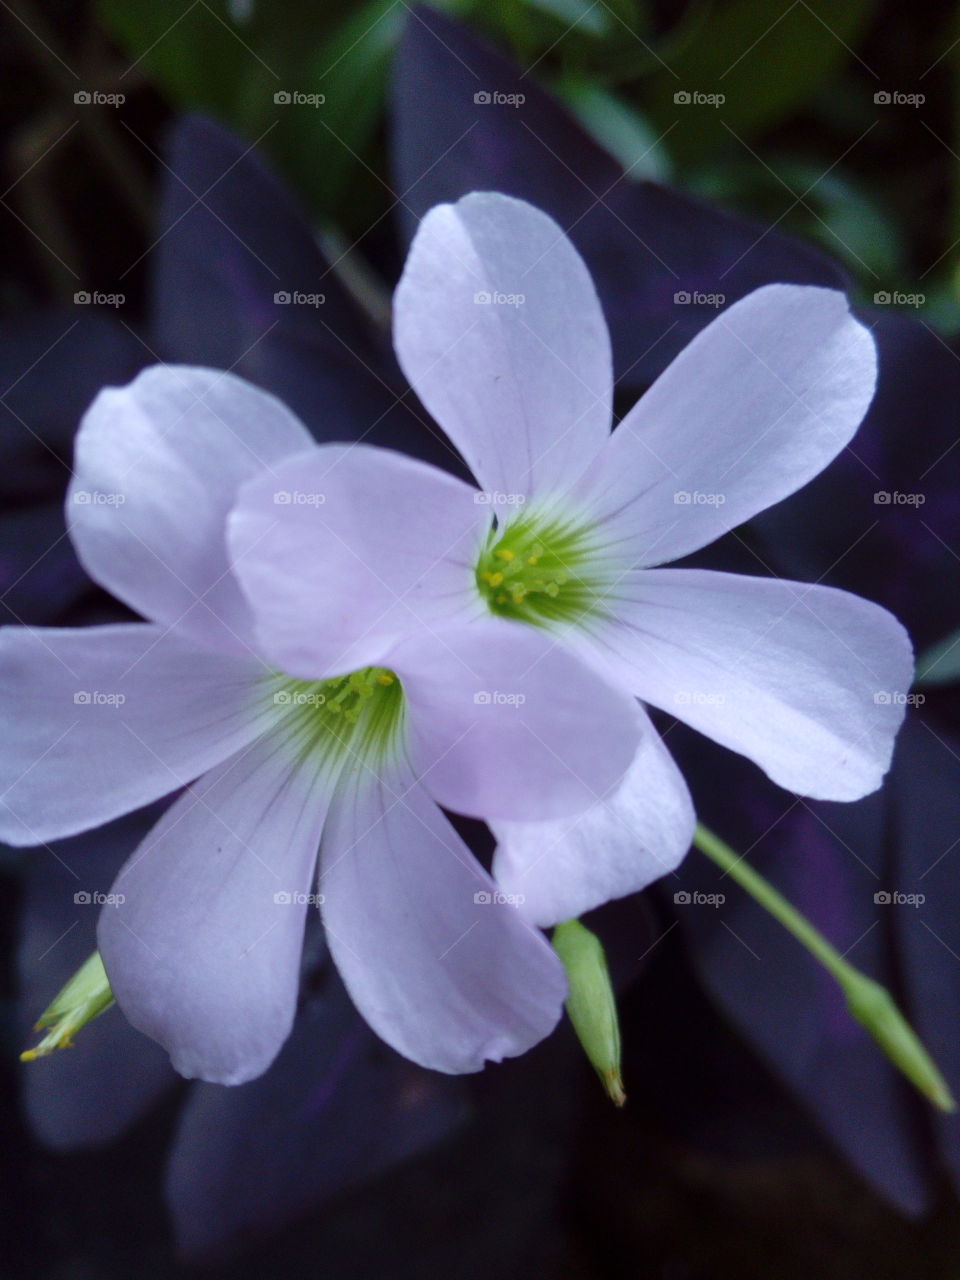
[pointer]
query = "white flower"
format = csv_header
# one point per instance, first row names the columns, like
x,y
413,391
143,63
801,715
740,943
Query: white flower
x,y
346,768
571,521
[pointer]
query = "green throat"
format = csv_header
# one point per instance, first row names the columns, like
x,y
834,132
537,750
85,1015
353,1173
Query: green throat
x,y
540,569
357,716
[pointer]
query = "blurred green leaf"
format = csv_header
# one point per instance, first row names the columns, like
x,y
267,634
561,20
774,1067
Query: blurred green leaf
x,y
585,15
763,57
634,52
327,150
940,664
618,127
799,196
247,63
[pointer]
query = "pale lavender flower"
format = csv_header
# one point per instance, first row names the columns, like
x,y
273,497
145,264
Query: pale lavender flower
x,y
500,332
202,934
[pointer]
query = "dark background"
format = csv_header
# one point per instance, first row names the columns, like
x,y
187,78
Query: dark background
x,y
765,1135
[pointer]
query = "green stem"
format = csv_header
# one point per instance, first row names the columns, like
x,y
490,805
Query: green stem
x,y
868,1001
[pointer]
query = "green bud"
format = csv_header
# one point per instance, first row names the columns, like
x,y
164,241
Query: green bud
x,y
591,1004
873,1007
84,998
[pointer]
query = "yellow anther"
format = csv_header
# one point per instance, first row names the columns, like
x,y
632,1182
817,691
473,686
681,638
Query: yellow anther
x,y
494,579
384,678
533,559
504,553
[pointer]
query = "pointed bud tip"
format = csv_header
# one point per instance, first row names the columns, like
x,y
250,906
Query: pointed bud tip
x,y
878,1013
941,1097
84,998
613,1084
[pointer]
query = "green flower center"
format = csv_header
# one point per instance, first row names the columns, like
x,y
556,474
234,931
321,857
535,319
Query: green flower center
x,y
540,569
357,716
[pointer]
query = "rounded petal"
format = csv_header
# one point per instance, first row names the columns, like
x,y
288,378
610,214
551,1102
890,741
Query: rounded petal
x,y
504,722
758,404
440,965
499,329
343,549
807,681
101,720
203,945
157,467
559,870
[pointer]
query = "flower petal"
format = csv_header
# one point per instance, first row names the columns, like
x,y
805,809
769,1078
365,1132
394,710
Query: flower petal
x,y
101,720
346,548
203,951
504,722
498,327
157,468
443,970
641,832
807,681
758,404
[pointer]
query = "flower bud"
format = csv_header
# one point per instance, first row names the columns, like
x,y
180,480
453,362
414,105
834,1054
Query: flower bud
x,y
591,1004
84,998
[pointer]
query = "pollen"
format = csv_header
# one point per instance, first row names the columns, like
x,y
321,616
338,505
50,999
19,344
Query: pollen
x,y
540,568
356,717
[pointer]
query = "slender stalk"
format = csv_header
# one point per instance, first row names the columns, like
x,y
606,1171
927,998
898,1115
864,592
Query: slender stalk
x,y
868,1001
